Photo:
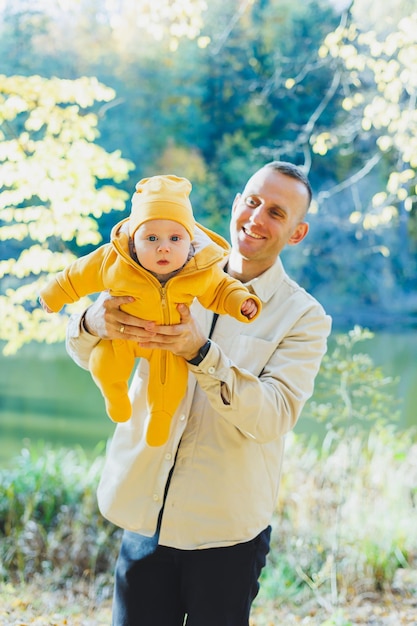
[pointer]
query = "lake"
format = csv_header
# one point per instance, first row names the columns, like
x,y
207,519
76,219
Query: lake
x,y
45,397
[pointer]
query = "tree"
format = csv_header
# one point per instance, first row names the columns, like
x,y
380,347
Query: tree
x,y
361,158
253,81
55,183
376,56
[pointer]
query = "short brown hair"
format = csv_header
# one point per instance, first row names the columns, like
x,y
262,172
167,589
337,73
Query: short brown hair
x,y
294,171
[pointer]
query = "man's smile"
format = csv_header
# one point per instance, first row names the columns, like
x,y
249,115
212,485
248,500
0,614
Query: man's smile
x,y
250,233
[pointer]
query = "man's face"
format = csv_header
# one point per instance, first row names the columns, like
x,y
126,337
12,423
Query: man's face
x,y
266,217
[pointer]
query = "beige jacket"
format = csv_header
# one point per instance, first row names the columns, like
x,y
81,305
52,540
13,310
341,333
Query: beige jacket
x,y
228,433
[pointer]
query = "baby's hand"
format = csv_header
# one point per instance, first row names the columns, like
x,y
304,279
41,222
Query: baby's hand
x,y
249,308
44,305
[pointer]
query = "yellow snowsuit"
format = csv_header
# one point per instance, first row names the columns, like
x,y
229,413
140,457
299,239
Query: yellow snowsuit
x,y
111,267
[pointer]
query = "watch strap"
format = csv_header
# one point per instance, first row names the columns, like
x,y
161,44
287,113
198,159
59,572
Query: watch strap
x,y
202,353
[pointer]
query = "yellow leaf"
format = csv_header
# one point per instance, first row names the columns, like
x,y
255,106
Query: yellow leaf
x,y
355,217
379,199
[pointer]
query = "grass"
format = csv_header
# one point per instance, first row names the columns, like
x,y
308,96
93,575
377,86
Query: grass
x,y
344,524
49,520
346,516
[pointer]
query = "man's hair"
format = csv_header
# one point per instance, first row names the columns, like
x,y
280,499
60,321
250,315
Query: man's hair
x,y
294,171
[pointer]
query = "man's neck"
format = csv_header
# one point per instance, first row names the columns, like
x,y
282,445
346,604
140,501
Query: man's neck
x,y
244,270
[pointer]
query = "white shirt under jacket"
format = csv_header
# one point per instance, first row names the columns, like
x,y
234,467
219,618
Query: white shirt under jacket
x,y
227,435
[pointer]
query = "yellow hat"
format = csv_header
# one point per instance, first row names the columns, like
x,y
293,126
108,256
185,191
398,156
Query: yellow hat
x,y
162,198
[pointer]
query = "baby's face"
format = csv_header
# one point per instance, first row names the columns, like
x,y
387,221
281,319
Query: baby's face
x,y
162,246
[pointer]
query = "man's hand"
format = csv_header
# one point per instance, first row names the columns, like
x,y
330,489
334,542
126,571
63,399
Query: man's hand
x,y
183,339
106,320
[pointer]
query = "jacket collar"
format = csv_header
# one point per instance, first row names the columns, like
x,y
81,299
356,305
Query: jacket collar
x,y
266,285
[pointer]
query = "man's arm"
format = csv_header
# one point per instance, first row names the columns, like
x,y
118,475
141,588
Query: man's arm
x,y
265,405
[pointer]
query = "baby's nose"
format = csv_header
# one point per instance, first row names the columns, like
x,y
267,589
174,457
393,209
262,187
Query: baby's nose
x,y
163,246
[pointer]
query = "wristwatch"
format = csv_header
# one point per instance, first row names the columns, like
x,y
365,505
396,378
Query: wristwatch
x,y
202,353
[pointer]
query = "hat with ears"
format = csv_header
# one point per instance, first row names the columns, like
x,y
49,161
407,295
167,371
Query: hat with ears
x,y
162,198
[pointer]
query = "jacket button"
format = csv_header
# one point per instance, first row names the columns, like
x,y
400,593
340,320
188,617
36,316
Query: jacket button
x,y
211,370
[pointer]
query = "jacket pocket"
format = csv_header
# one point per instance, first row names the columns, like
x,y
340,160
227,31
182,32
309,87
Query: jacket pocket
x,y
251,353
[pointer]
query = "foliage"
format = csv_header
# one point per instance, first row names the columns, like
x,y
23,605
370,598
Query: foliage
x,y
347,503
59,538
350,381
382,94
56,181
49,520
338,619
50,525
375,58
174,20
345,516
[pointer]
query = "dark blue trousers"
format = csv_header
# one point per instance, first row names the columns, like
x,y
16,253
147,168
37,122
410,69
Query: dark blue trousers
x,y
160,586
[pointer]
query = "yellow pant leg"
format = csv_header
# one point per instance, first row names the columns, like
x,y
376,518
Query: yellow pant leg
x,y
111,363
168,376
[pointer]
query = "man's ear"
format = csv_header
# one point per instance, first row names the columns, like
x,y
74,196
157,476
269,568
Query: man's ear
x,y
299,233
236,200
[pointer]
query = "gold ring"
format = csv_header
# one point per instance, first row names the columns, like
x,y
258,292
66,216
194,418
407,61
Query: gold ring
x,y
122,329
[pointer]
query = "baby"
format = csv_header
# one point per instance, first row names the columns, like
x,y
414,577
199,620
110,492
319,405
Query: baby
x,y
161,257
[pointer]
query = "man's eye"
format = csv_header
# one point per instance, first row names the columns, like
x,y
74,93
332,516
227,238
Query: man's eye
x,y
251,201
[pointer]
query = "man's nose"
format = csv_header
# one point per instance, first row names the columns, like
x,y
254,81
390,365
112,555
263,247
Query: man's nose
x,y
257,215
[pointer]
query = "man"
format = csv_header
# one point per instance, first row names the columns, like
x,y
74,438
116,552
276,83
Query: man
x,y
197,510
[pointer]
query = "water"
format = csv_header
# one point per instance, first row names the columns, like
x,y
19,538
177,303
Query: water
x,y
44,396
397,355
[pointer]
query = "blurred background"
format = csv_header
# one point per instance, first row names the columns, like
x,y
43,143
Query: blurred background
x,y
96,94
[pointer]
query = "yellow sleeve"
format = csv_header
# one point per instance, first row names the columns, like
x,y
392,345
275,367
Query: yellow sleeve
x,y
81,278
225,295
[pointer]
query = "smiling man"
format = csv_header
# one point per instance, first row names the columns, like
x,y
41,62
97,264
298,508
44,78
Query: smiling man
x,y
197,510
267,216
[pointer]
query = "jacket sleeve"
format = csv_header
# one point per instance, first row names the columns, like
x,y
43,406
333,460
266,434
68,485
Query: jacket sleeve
x,y
79,343
225,295
266,406
81,278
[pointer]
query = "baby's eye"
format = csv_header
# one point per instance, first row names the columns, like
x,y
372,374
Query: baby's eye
x,y
175,238
152,238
